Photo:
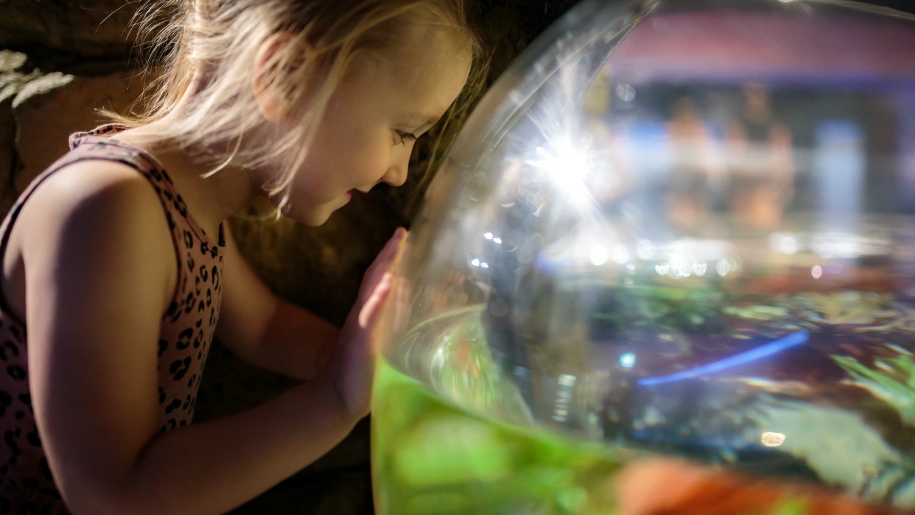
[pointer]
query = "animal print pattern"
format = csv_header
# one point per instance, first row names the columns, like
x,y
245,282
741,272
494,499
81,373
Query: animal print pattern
x,y
186,331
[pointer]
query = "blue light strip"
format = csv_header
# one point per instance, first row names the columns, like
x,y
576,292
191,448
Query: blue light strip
x,y
762,351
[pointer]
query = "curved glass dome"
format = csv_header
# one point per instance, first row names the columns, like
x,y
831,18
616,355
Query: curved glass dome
x,y
682,227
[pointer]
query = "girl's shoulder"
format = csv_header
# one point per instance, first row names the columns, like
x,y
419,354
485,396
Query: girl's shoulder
x,y
100,190
100,179
100,225
92,206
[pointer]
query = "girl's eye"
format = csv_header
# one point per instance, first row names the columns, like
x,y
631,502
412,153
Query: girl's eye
x,y
402,137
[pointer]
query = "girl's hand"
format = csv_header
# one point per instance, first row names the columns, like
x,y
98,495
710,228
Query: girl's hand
x,y
352,365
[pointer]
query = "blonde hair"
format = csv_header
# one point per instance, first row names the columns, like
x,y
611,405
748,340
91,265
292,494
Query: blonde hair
x,y
211,48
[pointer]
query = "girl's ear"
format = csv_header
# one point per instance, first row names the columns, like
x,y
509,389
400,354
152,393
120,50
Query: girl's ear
x,y
279,63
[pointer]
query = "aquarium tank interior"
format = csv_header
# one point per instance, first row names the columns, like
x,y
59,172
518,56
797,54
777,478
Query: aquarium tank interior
x,y
679,228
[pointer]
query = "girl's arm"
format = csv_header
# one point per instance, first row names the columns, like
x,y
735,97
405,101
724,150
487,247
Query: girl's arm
x,y
265,330
100,271
270,332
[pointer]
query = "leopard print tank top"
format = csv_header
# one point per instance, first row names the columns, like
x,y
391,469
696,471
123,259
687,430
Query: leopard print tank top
x,y
186,330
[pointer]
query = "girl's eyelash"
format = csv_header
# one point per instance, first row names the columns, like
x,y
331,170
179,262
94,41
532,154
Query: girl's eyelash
x,y
403,136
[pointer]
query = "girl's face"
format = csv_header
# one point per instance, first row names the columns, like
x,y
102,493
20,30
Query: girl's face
x,y
372,120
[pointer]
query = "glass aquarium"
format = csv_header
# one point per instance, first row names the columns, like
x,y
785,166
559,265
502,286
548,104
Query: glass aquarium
x,y
672,228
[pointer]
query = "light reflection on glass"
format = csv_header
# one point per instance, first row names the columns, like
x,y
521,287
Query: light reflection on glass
x,y
816,271
599,255
772,439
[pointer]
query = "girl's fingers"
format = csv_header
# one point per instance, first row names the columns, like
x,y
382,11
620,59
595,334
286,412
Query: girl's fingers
x,y
385,260
379,293
392,248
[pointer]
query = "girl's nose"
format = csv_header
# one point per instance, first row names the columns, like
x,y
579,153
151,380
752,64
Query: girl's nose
x,y
396,174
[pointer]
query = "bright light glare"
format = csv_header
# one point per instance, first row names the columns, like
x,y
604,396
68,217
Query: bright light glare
x,y
564,161
599,255
568,167
627,360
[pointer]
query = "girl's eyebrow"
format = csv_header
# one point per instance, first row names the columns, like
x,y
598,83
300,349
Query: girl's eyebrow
x,y
423,121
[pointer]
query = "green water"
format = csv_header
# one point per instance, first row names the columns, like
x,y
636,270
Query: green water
x,y
429,457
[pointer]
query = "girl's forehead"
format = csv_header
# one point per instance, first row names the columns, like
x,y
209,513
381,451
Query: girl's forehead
x,y
423,78
431,49
419,32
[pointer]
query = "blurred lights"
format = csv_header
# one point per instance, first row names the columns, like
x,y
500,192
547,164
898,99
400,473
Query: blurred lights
x,y
816,272
599,255
771,439
491,237
841,245
620,255
681,266
563,397
477,263
784,243
726,266
627,360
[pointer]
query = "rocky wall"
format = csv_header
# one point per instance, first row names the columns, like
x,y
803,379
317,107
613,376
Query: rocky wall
x,y
63,62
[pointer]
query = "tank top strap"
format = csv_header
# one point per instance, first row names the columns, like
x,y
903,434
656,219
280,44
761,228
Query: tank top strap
x,y
101,143
98,144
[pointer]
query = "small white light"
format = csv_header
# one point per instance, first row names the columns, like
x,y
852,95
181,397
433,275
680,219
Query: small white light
x,y
816,272
771,439
627,360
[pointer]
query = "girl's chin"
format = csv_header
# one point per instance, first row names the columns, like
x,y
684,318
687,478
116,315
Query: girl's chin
x,y
310,217
313,216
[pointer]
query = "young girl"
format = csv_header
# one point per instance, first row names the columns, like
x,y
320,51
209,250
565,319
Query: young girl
x,y
117,262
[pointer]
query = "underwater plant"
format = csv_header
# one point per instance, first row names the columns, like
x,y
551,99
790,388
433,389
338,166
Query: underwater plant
x,y
892,380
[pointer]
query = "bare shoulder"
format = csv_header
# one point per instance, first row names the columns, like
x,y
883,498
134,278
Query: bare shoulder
x,y
92,181
96,196
95,216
